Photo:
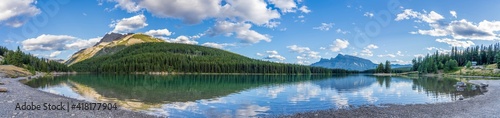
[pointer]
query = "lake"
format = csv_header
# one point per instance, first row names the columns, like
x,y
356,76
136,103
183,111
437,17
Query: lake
x,y
249,95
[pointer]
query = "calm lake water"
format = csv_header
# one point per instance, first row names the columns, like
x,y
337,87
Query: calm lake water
x,y
248,95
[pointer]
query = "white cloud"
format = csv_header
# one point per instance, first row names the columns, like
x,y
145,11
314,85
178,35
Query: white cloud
x,y
278,57
301,16
372,46
80,44
458,29
242,31
129,5
127,25
432,17
306,54
182,39
259,54
190,11
342,31
304,9
272,24
367,51
399,53
456,43
15,13
54,54
298,49
254,11
324,26
368,14
338,45
217,45
159,32
431,48
46,42
284,5
272,54
453,13
467,30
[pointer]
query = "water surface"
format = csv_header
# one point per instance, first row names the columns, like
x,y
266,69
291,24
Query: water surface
x,y
249,95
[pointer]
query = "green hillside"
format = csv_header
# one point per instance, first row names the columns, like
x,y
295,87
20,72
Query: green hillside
x,y
174,57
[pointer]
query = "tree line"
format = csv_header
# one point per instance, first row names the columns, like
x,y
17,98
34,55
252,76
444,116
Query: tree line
x,y
483,55
30,62
381,68
170,57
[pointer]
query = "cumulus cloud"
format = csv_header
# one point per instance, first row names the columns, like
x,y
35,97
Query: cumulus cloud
x,y
304,9
298,49
217,45
284,5
182,39
431,17
242,31
254,11
159,32
54,54
324,26
456,43
338,45
195,11
367,51
15,13
80,43
305,54
456,32
48,42
127,25
190,11
273,54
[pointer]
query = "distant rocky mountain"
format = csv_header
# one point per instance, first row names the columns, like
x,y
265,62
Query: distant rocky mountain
x,y
349,62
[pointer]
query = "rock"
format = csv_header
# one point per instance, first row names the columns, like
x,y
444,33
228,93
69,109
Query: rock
x,y
1,83
2,89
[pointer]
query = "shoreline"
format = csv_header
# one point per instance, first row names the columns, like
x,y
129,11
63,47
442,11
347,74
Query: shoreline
x,y
485,105
18,93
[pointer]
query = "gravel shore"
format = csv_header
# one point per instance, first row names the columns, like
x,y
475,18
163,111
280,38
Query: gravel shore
x,y
482,106
20,93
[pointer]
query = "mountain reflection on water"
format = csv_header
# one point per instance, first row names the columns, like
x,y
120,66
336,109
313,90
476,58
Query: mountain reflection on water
x,y
248,95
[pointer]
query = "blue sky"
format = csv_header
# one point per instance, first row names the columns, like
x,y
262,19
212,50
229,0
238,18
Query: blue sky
x,y
290,31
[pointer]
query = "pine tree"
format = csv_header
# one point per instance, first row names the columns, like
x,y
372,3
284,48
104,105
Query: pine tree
x,y
387,68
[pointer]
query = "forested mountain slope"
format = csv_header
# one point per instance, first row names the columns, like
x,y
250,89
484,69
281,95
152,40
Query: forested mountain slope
x,y
175,57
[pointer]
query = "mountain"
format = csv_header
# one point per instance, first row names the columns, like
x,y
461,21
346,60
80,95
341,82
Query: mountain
x,y
163,57
347,62
110,43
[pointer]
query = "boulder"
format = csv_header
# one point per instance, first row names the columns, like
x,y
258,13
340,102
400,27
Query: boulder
x,y
2,89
